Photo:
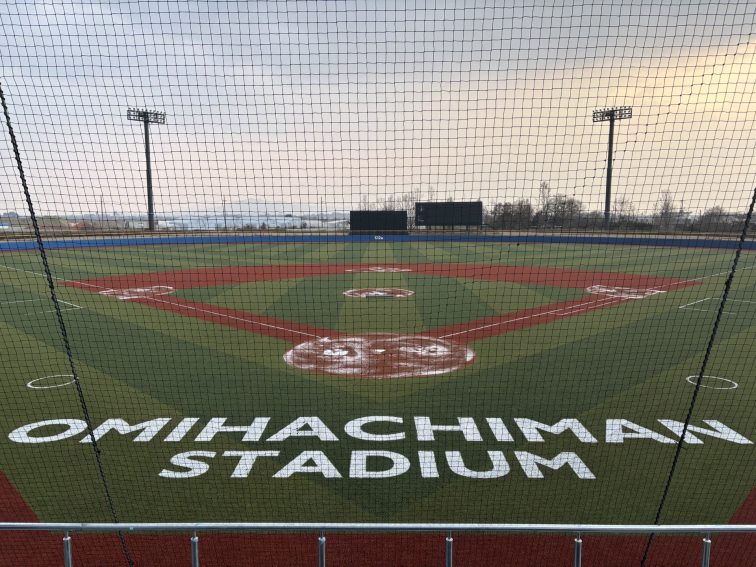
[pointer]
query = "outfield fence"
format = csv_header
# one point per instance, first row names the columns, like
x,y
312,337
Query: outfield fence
x,y
322,529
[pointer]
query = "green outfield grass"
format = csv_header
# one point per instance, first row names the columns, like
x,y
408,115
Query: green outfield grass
x,y
628,360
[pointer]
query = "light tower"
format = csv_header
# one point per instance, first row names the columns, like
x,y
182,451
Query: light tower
x,y
610,114
147,117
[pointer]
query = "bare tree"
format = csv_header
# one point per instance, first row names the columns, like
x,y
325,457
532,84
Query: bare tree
x,y
544,201
665,215
565,211
516,215
622,210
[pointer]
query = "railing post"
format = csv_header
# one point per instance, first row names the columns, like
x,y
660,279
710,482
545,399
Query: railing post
x,y
449,550
195,550
578,551
706,550
67,553
322,550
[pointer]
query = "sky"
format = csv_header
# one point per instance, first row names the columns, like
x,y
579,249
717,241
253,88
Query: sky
x,y
330,103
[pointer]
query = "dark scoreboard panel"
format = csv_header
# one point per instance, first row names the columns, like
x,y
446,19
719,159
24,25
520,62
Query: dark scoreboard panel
x,y
378,221
449,214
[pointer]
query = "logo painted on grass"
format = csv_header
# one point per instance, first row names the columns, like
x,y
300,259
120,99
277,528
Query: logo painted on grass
x,y
622,292
380,356
382,270
139,292
387,292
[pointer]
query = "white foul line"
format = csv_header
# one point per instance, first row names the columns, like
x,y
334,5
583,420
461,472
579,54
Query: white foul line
x,y
22,301
567,311
73,307
230,317
53,277
699,301
703,277
688,308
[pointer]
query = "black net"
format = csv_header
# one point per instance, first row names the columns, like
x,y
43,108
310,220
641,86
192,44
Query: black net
x,y
396,262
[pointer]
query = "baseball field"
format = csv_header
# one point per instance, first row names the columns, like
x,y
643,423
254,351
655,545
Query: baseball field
x,y
388,380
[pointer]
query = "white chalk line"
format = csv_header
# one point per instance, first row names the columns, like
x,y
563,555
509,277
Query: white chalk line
x,y
564,311
688,308
22,301
231,317
71,306
703,277
695,302
656,288
53,277
170,303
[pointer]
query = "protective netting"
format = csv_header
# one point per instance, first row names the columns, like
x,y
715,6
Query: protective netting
x,y
366,262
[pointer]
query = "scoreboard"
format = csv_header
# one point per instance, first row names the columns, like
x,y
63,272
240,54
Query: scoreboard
x,y
377,222
449,214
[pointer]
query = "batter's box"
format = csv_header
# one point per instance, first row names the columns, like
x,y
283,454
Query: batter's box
x,y
622,292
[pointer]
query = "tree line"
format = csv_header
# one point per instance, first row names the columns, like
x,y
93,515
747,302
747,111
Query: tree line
x,y
557,211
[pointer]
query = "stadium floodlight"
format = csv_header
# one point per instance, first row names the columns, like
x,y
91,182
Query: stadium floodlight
x,y
610,114
147,117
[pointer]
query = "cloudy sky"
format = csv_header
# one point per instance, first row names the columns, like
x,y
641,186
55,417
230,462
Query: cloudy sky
x,y
338,100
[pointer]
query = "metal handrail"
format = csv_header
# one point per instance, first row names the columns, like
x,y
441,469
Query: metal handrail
x,y
373,527
577,530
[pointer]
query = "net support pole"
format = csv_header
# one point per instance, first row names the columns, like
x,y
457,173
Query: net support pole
x,y
67,552
578,551
449,550
195,550
706,557
322,550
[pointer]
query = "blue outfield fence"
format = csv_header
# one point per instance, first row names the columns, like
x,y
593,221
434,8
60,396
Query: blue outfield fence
x,y
183,240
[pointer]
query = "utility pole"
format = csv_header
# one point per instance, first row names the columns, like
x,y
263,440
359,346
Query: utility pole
x,y
610,114
147,117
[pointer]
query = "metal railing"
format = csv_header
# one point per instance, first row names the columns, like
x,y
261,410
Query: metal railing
x,y
321,529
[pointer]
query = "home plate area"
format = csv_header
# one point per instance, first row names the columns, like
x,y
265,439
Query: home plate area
x,y
380,355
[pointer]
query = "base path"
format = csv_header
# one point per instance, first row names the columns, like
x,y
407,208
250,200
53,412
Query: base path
x,y
227,275
517,320
299,333
242,320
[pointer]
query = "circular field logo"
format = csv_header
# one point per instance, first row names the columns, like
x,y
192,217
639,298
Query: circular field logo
x,y
380,355
387,292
